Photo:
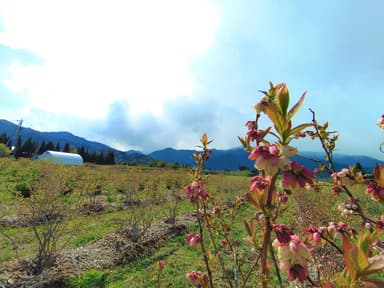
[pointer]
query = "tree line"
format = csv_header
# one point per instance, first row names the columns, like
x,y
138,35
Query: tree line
x,y
30,148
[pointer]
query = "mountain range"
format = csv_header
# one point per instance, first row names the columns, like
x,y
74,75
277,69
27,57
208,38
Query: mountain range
x,y
228,159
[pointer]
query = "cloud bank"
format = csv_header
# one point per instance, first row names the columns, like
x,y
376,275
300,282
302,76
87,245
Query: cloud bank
x,y
151,74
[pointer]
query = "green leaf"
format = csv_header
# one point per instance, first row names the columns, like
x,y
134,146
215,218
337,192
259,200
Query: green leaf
x,y
364,240
277,118
284,100
297,106
298,128
356,261
250,226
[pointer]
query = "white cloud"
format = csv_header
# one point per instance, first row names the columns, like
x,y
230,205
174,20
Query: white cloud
x,y
93,52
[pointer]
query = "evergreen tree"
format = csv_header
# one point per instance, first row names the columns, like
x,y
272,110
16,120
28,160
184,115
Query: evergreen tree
x,y
29,147
42,148
18,151
5,139
57,147
67,148
50,146
110,159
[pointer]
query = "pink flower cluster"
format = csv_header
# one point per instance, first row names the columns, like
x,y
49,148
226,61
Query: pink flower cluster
x,y
313,236
259,183
376,188
292,253
380,122
253,133
376,191
193,239
197,189
266,158
195,277
343,177
336,230
297,176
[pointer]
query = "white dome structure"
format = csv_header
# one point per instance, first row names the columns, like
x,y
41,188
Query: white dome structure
x,y
61,158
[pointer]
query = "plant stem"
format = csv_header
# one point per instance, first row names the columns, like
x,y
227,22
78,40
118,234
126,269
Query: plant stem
x,y
250,271
331,165
275,264
209,229
267,232
203,249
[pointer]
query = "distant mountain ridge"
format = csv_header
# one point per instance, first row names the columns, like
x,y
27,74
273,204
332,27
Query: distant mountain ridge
x,y
66,137
228,159
233,159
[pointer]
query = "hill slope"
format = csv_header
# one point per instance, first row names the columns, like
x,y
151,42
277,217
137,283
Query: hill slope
x,y
229,159
233,159
65,137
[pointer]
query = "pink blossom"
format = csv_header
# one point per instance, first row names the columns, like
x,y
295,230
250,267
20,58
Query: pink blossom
x,y
197,189
336,230
297,176
376,191
380,122
313,236
195,277
266,158
259,182
299,272
378,173
161,264
380,225
343,177
193,239
283,233
283,198
292,253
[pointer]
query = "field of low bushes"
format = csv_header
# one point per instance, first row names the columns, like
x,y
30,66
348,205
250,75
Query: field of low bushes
x,y
111,226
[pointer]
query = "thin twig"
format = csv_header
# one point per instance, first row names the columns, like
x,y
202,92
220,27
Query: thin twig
x,y
275,264
251,270
332,244
327,152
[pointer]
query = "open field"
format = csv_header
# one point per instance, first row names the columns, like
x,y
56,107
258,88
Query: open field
x,y
114,223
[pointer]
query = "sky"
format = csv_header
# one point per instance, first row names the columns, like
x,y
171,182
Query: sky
x,y
151,74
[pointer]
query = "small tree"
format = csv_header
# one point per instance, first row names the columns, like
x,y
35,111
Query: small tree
x,y
4,150
47,216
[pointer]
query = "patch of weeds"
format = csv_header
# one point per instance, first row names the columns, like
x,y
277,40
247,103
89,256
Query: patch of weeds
x,y
120,207
110,199
90,279
85,239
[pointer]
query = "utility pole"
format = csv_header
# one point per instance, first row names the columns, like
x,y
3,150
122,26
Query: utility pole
x,y
17,151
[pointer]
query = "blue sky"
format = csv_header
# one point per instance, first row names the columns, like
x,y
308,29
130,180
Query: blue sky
x,y
147,75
